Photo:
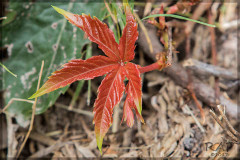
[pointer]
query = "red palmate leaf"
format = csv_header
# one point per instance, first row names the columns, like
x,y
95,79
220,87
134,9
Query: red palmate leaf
x,y
112,87
110,94
76,70
96,30
129,37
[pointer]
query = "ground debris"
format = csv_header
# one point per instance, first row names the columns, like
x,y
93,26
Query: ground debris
x,y
173,124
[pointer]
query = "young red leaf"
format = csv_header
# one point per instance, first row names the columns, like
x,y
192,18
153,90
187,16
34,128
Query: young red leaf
x,y
129,37
110,94
135,84
96,31
76,70
112,87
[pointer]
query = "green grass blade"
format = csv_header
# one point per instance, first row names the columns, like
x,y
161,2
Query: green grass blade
x,y
178,17
8,70
112,27
89,51
89,54
77,92
89,93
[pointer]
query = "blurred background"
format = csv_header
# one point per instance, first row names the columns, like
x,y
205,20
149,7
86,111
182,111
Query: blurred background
x,y
190,108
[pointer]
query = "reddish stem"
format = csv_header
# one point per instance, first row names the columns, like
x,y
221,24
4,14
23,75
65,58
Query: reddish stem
x,y
150,67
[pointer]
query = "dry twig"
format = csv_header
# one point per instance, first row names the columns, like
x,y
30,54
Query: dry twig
x,y
15,99
195,119
87,113
33,113
232,130
229,132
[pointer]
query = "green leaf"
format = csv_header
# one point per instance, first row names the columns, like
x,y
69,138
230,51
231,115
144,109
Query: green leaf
x,y
178,17
39,33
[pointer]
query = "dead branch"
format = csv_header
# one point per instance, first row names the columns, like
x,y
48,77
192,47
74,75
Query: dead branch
x,y
204,69
157,47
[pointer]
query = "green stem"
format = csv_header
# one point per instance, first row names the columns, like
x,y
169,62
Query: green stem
x,y
76,94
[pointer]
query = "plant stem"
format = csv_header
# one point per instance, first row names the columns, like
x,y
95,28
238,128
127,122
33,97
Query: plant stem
x,y
150,67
